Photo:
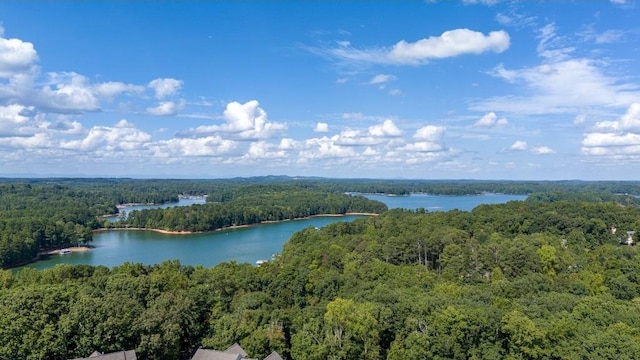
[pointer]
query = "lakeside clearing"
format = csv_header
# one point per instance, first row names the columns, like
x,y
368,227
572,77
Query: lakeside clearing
x,y
72,249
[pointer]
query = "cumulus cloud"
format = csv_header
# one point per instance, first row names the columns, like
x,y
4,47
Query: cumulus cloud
x,y
387,128
450,43
207,146
323,148
518,146
68,92
321,127
109,90
124,136
165,87
247,121
15,56
619,137
12,118
373,135
490,120
265,150
429,133
523,146
164,108
428,139
34,141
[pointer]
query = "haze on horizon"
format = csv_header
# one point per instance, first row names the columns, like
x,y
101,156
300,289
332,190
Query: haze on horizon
x,y
475,89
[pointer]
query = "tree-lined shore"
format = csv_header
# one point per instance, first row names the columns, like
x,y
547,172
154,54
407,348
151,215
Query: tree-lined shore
x,y
526,279
40,215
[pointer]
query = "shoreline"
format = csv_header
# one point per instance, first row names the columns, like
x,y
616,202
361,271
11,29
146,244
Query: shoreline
x,y
73,249
84,248
42,255
232,227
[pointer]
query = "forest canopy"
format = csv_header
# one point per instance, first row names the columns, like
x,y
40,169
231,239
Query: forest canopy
x,y
547,278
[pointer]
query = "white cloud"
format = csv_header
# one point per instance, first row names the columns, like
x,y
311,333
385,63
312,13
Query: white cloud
x,y
430,133
288,144
108,90
610,139
580,119
353,116
449,44
34,141
11,118
205,146
324,147
321,127
518,146
165,87
15,56
381,79
429,139
63,126
615,138
165,108
374,135
490,120
124,136
370,152
264,150
247,121
609,36
387,128
68,92
630,121
561,83
561,87
542,150
395,92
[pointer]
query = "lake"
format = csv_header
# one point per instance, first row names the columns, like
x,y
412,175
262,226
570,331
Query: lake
x,y
248,245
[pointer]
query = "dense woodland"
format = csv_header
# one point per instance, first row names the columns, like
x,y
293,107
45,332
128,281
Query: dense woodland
x,y
37,215
253,207
547,278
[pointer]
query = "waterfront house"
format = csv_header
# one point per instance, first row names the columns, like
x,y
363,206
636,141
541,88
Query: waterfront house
x,y
233,352
120,355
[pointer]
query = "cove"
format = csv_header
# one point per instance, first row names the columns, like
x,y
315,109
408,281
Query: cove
x,y
245,245
443,202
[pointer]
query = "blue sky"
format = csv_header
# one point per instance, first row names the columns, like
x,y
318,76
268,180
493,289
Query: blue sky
x,y
433,90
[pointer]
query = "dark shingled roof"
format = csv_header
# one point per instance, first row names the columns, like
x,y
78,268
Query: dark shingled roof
x,y
236,349
274,356
233,352
207,354
120,355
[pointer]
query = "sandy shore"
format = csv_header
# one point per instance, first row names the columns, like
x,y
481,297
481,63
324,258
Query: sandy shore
x,y
72,249
146,229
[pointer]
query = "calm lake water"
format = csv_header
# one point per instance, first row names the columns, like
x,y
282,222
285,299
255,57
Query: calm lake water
x,y
248,245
